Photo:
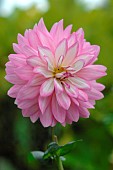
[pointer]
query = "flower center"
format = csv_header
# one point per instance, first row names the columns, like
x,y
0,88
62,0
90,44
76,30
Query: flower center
x,y
61,73
58,70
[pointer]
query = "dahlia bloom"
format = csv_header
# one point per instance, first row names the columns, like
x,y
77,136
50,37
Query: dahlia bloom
x,y
53,74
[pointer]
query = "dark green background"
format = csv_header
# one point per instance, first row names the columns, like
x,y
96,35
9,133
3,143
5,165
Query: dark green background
x,y
18,136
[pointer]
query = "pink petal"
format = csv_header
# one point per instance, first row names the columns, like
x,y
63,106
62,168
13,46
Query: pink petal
x,y
63,100
57,32
71,54
83,112
71,40
29,51
9,68
75,101
24,104
92,72
58,112
53,29
33,39
35,61
44,102
30,111
28,92
34,117
49,55
86,104
17,48
22,40
17,59
43,71
73,113
86,57
78,65
53,122
24,72
68,120
78,82
41,26
82,96
14,79
67,31
14,91
80,38
44,51
72,91
47,88
46,41
95,95
37,80
46,118
58,86
98,86
60,50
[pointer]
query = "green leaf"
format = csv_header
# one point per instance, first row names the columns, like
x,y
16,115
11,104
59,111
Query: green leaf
x,y
38,155
51,151
65,149
54,150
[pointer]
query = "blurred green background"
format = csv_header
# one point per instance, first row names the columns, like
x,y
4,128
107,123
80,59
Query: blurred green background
x,y
18,136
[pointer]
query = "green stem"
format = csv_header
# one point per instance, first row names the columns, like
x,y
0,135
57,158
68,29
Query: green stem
x,y
55,139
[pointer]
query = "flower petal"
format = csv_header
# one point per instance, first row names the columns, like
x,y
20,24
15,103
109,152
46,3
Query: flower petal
x,y
41,26
37,80
17,48
83,112
13,91
24,72
57,32
35,61
14,79
30,111
24,104
46,118
58,86
78,65
60,50
72,91
82,96
43,71
33,39
44,102
67,31
73,113
17,59
78,82
47,88
92,72
58,112
34,117
63,100
28,92
95,95
71,54
29,51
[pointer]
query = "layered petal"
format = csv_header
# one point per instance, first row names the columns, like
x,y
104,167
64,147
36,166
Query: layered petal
x,y
53,74
47,88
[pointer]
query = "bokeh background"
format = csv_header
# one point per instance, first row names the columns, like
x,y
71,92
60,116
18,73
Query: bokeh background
x,y
18,136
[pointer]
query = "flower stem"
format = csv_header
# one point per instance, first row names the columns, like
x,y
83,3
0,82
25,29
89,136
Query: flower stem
x,y
55,139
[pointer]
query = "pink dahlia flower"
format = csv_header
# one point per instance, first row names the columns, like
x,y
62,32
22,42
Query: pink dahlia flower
x,y
53,74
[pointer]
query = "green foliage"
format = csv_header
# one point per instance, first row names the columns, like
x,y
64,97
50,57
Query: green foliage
x,y
53,152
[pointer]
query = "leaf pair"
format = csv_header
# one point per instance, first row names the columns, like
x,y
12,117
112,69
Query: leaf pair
x,y
53,151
